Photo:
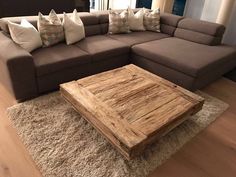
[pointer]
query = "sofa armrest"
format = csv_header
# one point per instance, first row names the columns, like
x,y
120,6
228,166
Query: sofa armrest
x,y
17,71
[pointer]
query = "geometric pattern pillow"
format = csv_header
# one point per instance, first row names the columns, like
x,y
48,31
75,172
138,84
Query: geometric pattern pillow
x,y
118,22
151,20
50,29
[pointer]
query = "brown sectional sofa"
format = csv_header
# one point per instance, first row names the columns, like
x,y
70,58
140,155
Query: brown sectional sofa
x,y
187,52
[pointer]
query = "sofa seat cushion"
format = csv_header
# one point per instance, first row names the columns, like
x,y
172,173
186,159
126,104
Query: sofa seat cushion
x,y
58,57
190,58
138,37
102,47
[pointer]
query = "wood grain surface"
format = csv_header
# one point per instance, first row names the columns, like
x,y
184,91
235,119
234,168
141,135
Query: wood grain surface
x,y
130,106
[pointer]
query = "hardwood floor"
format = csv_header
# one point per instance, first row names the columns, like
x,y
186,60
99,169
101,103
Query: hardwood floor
x,y
14,158
212,153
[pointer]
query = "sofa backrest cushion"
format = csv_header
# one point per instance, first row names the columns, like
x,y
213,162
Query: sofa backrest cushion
x,y
91,22
169,23
200,31
103,17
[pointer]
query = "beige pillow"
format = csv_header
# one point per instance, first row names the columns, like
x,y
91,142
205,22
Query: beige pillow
x,y
151,20
25,35
50,29
118,22
136,20
73,27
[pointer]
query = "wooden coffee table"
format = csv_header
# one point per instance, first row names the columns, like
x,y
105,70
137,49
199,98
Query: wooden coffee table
x,y
131,107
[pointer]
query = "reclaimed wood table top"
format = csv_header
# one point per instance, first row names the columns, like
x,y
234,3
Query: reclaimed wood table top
x,y
131,107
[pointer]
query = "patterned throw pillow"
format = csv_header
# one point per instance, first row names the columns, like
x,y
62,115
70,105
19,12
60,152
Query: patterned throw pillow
x,y
50,29
151,20
118,22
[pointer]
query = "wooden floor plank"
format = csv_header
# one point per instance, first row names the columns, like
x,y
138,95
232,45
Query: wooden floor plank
x,y
15,160
216,145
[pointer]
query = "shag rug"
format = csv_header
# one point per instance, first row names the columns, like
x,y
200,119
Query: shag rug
x,y
63,144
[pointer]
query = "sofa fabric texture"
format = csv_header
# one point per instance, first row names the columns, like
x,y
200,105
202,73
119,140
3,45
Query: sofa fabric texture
x,y
17,69
169,23
170,74
51,82
200,31
190,58
101,47
58,57
187,52
138,37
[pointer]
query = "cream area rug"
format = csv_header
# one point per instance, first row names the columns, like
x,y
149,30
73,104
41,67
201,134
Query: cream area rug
x,y
63,144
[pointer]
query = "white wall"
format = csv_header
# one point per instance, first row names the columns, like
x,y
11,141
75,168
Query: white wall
x,y
203,9
210,10
230,33
122,4
193,8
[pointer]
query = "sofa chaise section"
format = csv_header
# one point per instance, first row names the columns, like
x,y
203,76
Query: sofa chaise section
x,y
193,58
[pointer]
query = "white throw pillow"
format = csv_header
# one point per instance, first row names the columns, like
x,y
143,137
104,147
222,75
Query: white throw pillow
x,y
73,28
136,20
25,35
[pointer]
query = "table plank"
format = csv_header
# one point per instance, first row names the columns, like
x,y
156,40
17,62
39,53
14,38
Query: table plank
x,y
149,124
191,96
